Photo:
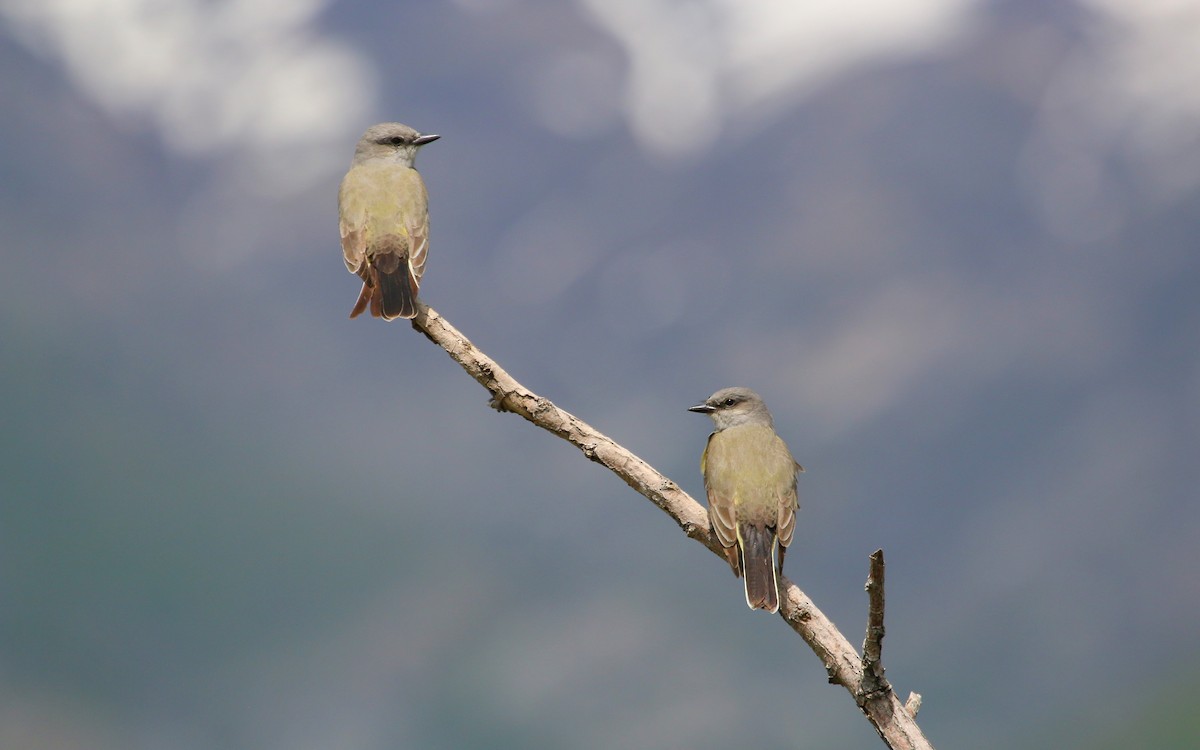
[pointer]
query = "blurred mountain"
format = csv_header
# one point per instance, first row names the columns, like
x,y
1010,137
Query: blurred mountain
x,y
953,244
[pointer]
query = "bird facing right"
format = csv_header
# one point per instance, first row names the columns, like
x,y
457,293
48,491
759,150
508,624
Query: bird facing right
x,y
750,478
384,220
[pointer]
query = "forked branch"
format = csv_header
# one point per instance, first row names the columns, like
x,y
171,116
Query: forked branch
x,y
891,719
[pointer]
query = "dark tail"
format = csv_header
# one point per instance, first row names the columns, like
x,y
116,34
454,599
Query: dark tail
x,y
390,295
758,566
397,294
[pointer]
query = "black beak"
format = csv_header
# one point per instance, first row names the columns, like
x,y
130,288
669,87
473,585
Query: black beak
x,y
421,140
702,409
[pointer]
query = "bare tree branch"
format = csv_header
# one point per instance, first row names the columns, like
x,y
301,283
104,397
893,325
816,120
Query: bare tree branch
x,y
896,725
873,681
913,704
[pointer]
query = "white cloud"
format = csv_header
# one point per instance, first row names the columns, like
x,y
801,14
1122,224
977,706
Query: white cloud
x,y
210,78
694,65
1123,97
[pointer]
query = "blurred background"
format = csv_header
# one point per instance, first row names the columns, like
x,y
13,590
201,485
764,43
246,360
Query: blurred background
x,y
954,244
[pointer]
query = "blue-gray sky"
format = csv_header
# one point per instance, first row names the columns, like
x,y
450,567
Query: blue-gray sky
x,y
953,243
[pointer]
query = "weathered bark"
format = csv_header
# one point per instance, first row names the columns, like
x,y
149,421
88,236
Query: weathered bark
x,y
862,675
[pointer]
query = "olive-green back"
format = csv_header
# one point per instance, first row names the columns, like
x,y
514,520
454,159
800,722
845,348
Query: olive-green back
x,y
380,200
750,477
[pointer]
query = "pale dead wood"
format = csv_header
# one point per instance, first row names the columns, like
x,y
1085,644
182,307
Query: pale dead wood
x,y
894,723
913,704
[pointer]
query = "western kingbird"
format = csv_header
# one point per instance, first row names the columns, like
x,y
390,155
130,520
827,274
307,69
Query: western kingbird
x,y
750,477
384,219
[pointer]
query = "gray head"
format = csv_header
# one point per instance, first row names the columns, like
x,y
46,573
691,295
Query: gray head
x,y
730,407
390,141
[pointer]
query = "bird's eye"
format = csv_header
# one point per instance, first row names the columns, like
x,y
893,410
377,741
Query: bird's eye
x,y
730,401
395,140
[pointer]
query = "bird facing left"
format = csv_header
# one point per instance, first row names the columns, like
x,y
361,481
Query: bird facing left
x,y
750,479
